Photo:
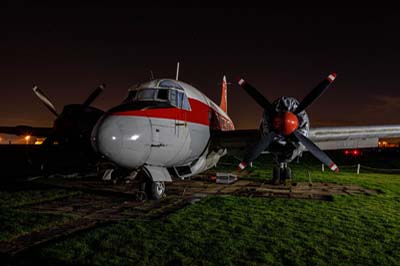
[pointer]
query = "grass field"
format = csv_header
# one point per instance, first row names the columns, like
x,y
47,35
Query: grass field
x,y
15,222
350,230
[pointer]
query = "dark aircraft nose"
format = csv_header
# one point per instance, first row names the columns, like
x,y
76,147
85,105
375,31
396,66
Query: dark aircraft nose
x,y
125,140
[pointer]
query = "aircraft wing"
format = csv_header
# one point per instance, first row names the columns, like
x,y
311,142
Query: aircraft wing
x,y
236,141
337,138
27,130
326,138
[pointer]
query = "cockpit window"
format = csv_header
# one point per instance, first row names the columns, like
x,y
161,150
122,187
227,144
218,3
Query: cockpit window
x,y
146,95
185,104
170,84
175,97
162,95
179,99
172,97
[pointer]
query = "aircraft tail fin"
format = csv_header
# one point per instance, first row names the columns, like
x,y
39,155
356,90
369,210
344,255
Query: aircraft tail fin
x,y
224,95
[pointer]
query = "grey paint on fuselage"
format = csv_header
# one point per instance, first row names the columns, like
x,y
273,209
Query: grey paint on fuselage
x,y
125,140
132,141
176,142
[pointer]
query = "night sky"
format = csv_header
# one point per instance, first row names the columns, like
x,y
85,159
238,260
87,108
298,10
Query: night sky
x,y
69,51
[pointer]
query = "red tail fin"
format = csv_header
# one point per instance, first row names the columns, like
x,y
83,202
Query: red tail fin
x,y
224,96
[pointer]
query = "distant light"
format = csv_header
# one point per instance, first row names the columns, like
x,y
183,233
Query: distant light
x,y
356,152
135,137
113,138
27,138
346,152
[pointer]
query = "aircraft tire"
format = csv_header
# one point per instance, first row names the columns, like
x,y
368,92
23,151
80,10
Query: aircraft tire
x,y
154,189
157,190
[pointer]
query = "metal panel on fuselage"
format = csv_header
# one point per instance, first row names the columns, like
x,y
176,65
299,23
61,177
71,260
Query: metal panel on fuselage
x,y
180,141
168,141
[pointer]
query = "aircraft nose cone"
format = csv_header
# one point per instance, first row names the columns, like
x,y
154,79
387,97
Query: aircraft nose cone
x,y
286,123
125,140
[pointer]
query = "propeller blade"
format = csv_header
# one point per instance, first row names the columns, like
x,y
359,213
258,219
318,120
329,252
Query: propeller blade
x,y
257,96
94,95
315,93
317,152
45,100
252,154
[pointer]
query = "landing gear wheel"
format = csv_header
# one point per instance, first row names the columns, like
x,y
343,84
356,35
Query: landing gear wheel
x,y
154,189
157,190
140,196
276,175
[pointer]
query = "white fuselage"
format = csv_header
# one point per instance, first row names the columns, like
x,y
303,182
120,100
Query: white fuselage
x,y
164,123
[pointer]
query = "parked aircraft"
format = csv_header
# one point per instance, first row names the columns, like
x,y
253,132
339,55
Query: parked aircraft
x,y
71,129
168,128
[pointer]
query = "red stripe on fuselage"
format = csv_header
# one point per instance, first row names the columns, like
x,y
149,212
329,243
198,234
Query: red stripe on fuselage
x,y
199,113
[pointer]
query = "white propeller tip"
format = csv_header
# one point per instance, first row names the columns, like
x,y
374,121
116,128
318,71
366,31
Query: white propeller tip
x,y
331,77
241,166
334,167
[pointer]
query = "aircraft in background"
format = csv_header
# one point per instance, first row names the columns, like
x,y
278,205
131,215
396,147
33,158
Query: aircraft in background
x,y
167,128
71,129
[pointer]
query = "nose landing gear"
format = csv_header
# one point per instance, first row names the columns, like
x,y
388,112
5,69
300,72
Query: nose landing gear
x,y
153,189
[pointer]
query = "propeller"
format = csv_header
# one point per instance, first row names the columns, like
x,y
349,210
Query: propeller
x,y
253,153
315,93
66,122
286,123
317,152
93,95
45,100
257,96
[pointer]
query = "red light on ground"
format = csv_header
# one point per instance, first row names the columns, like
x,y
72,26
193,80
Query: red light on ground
x,y
352,152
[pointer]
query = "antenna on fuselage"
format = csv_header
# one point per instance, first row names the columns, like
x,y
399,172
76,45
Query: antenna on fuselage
x,y
177,71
